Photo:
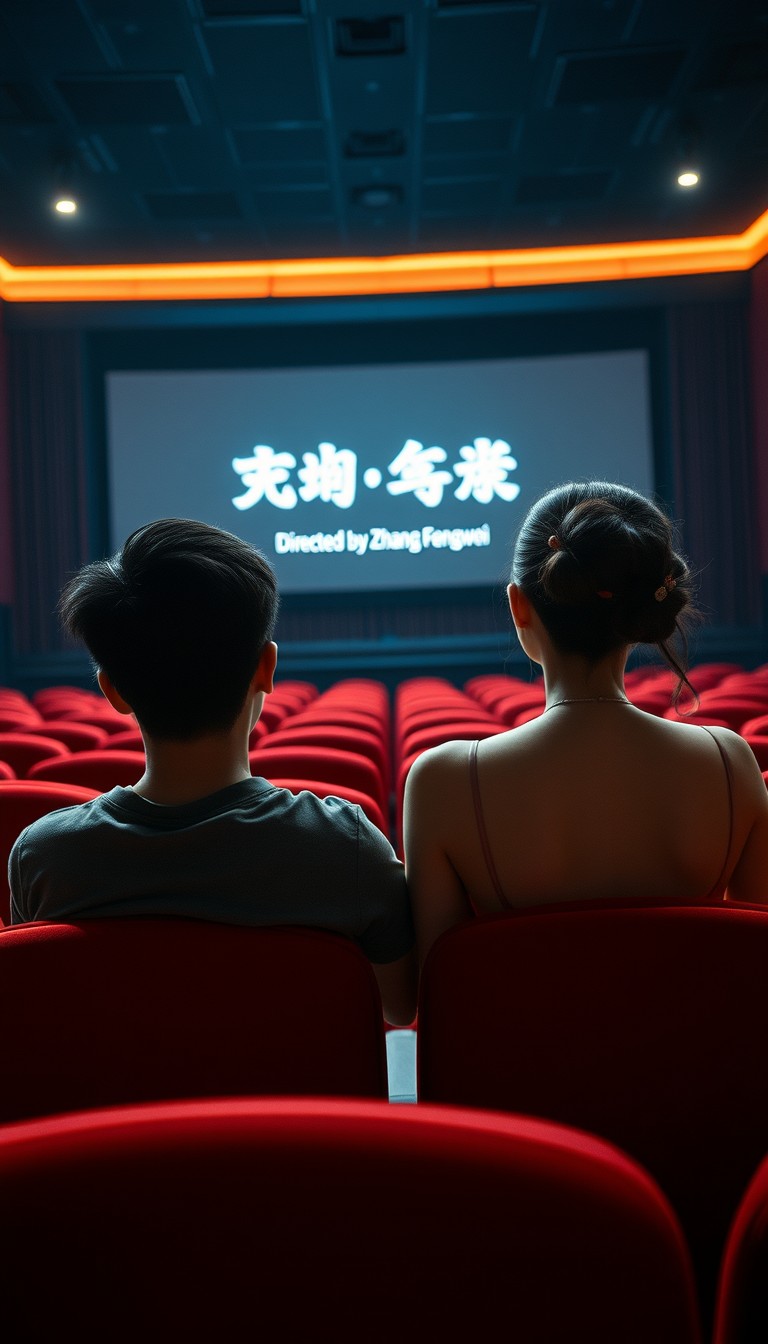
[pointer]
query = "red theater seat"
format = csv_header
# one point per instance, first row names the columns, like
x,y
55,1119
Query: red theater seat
x,y
285,1219
644,1025
101,770
75,736
15,719
325,763
129,740
324,715
23,750
758,724
458,730
117,1011
742,1310
358,740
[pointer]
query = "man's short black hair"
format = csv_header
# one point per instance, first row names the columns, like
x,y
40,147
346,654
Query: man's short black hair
x,y
178,620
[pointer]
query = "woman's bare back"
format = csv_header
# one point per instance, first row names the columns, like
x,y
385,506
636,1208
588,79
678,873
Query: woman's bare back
x,y
590,801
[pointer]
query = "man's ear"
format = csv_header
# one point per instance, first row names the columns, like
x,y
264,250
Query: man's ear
x,y
519,606
111,693
265,671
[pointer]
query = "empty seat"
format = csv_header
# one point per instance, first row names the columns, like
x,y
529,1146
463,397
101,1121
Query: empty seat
x,y
343,737
326,763
102,770
287,1219
23,750
75,736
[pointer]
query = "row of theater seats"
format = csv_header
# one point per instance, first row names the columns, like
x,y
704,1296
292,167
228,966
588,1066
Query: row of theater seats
x,y
586,1160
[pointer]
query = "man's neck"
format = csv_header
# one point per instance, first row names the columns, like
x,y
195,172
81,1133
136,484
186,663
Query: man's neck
x,y
182,772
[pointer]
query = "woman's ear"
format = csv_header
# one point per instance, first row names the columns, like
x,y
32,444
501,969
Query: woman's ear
x,y
519,606
111,693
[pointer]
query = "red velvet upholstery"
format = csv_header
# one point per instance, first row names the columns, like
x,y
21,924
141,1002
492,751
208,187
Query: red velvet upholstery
x,y
421,739
75,736
129,740
102,769
326,763
22,750
110,1011
647,1026
757,725
22,801
322,714
345,738
18,719
298,1220
101,715
742,1310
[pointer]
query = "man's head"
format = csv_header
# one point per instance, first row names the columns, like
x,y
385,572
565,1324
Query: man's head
x,y
178,620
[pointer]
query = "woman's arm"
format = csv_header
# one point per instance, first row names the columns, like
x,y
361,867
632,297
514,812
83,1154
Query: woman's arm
x,y
437,894
749,879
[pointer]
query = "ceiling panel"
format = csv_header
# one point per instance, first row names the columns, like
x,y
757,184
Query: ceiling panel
x,y
263,72
480,62
208,129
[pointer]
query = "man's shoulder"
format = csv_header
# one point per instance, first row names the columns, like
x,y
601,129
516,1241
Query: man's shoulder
x,y
66,820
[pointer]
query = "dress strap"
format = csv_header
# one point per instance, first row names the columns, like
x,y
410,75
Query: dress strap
x,y
482,832
719,886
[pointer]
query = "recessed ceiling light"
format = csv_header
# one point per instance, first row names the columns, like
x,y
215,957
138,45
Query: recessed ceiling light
x,y
65,205
688,178
377,196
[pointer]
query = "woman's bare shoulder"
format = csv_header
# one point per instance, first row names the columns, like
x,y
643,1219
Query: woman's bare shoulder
x,y
446,759
741,759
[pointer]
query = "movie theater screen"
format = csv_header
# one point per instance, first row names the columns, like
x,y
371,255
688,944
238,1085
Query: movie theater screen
x,y
370,477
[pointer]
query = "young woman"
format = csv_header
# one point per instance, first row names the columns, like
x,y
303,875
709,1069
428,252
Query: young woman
x,y
594,799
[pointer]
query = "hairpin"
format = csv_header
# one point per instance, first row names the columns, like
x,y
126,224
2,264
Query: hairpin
x,y
554,543
666,587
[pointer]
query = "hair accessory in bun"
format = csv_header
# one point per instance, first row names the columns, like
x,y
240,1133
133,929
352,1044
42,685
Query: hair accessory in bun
x,y
554,543
666,587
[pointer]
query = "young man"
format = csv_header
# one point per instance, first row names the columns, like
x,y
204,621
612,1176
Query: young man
x,y
179,624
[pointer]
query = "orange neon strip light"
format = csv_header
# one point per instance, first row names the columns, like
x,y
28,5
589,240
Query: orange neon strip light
x,y
418,273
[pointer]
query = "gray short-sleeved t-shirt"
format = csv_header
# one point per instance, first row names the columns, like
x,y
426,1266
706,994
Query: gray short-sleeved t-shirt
x,y
249,854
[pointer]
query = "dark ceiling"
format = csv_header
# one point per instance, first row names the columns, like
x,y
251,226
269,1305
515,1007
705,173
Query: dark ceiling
x,y
242,129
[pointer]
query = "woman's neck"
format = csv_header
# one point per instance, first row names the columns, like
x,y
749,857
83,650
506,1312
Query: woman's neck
x,y
575,679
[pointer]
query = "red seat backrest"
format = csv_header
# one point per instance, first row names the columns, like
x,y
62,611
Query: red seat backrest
x,y
644,1025
117,1011
280,1218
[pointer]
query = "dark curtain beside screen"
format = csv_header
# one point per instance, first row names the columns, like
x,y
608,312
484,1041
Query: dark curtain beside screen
x,y
45,380
713,446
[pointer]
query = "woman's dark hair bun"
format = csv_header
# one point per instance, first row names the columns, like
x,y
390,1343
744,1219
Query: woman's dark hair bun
x,y
599,563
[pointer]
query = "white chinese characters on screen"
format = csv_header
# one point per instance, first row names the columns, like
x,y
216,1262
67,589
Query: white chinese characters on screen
x,y
330,475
